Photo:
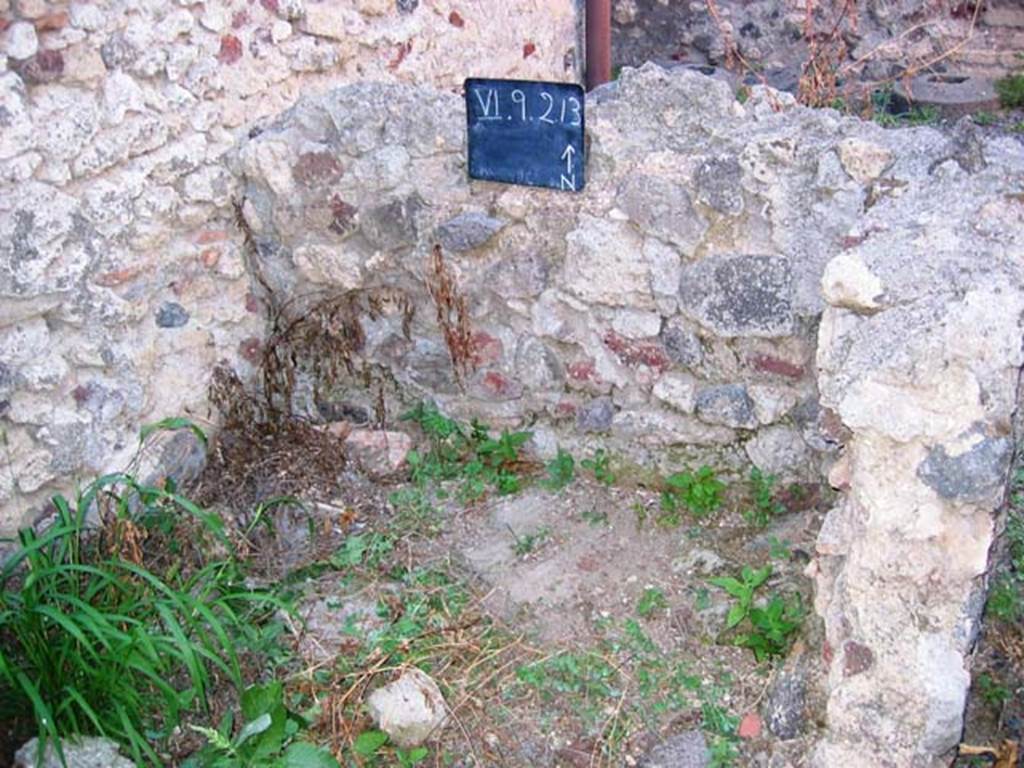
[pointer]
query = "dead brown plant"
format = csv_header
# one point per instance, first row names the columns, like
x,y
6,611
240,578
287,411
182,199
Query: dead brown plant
x,y
829,76
452,313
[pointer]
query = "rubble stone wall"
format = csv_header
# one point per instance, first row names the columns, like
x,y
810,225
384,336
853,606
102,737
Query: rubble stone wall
x,y
738,282
121,275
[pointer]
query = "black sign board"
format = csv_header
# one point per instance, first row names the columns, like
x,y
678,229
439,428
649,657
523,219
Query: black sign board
x,y
526,132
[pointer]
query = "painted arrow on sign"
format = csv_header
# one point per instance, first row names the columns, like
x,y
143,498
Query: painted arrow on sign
x,y
567,155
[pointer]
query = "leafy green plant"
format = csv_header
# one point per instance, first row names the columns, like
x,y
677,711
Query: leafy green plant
x,y
992,691
529,542
652,601
265,738
700,492
883,114
587,674
770,626
365,549
765,507
414,512
369,743
721,727
561,471
1011,91
407,758
742,590
599,464
595,517
779,550
96,642
984,118
1004,599
468,454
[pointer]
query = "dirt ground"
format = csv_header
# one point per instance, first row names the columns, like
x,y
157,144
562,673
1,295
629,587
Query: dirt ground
x,y
573,627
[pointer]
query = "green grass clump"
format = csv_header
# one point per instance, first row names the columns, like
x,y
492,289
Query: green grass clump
x,y
93,640
1011,91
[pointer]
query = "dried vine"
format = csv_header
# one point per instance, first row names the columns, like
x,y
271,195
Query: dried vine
x,y
452,314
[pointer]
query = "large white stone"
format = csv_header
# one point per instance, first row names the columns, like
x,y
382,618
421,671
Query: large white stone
x,y
410,710
19,41
604,263
679,390
849,283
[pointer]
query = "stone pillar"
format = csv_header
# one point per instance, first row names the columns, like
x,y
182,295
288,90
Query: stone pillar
x,y
919,355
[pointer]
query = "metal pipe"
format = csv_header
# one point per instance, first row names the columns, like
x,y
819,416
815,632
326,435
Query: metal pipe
x,y
599,42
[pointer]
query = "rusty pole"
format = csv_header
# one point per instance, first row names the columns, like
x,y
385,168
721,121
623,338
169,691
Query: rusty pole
x,y
599,42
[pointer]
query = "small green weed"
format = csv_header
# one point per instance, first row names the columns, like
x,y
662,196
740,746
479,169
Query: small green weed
x,y
594,517
984,118
1006,593
652,601
370,745
529,542
721,727
561,471
585,674
465,453
640,514
1011,91
600,466
265,738
992,691
365,549
765,506
771,625
883,115
699,492
414,512
742,590
779,550
1004,599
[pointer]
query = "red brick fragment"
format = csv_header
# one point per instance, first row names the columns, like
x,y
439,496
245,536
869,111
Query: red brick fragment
x,y
230,49
632,352
208,236
456,20
582,370
750,726
116,277
528,50
778,366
